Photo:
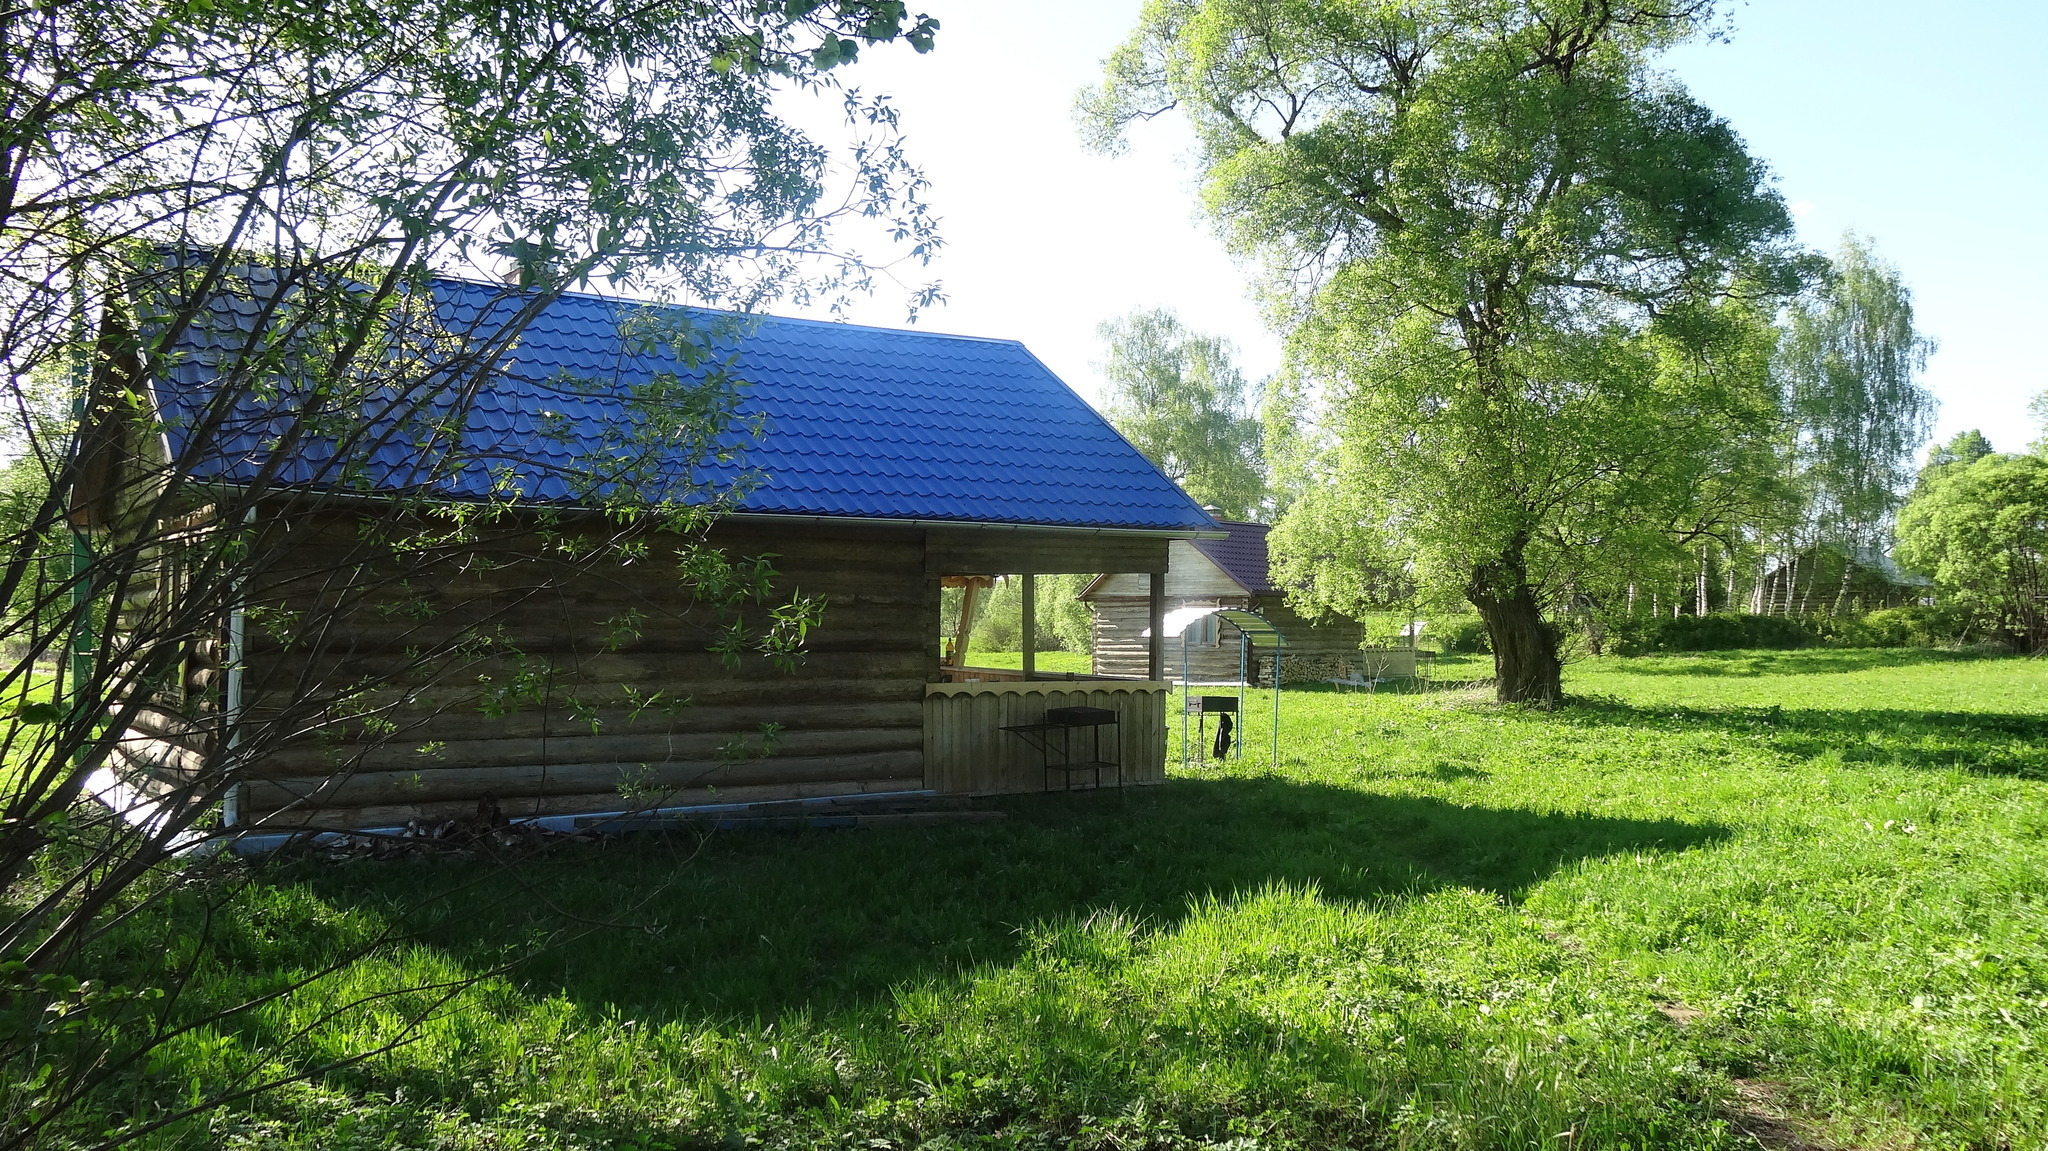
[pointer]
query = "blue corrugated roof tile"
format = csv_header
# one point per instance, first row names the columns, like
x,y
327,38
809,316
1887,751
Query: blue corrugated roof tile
x,y
861,422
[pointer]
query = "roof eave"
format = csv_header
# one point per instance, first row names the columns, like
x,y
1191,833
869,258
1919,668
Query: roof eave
x,y
358,498
983,525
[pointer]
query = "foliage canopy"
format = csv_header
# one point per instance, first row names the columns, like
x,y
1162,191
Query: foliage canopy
x,y
1850,361
1534,275
1980,530
1179,398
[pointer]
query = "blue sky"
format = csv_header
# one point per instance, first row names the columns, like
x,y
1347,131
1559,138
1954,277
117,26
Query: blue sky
x,y
1922,126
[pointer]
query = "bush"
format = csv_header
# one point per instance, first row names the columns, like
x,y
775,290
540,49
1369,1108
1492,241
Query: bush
x,y
1722,632
1916,626
1465,636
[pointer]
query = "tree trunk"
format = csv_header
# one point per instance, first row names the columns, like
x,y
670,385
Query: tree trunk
x,y
1526,667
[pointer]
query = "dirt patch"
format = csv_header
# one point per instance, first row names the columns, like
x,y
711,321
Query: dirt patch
x,y
1764,1112
1678,1013
1759,1111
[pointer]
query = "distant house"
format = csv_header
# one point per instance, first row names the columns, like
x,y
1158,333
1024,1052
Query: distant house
x,y
1230,572
890,464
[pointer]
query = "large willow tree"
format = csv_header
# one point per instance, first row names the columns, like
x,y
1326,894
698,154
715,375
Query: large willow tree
x,y
1534,272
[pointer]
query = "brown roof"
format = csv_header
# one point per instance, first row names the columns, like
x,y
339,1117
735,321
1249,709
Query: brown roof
x,y
1242,557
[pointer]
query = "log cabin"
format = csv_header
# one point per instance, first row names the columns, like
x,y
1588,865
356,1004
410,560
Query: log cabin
x,y
1231,572
870,467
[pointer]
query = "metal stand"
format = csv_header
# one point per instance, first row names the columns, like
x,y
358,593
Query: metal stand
x,y
1066,721
1203,705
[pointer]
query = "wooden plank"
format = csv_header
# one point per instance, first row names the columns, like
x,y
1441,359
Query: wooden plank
x,y
372,639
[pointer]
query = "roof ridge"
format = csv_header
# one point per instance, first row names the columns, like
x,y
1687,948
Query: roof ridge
x,y
840,325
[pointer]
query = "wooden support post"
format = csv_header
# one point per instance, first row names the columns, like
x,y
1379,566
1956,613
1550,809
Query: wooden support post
x,y
1030,630
1156,651
970,590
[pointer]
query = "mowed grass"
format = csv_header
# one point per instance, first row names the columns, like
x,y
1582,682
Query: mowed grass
x,y
1079,662
1435,923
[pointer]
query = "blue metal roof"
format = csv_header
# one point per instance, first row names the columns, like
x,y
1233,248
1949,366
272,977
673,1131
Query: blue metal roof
x,y
855,422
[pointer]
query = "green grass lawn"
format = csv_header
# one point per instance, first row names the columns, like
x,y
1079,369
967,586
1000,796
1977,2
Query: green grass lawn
x,y
21,747
1053,661
1813,878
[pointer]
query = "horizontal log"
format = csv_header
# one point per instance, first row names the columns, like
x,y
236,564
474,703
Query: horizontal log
x,y
157,785
530,560
609,667
982,552
313,756
578,590
141,748
455,722
894,631
457,695
384,787
137,762
398,815
167,724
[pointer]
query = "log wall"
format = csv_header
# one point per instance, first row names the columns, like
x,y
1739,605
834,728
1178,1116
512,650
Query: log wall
x,y
967,752
554,719
1314,650
996,551
177,726
1190,575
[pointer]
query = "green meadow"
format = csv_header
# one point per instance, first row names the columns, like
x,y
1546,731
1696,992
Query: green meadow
x,y
1796,898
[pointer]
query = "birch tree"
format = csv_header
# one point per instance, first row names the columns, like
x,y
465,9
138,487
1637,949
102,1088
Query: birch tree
x,y
1179,398
1850,361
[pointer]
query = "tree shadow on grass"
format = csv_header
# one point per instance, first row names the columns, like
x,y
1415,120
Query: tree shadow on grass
x,y
1988,743
759,924
1805,661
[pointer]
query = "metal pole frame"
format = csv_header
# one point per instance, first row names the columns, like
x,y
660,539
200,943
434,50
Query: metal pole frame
x,y
1279,646
1244,663
1186,699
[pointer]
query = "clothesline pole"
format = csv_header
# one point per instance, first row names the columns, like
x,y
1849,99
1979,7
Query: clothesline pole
x,y
1278,648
